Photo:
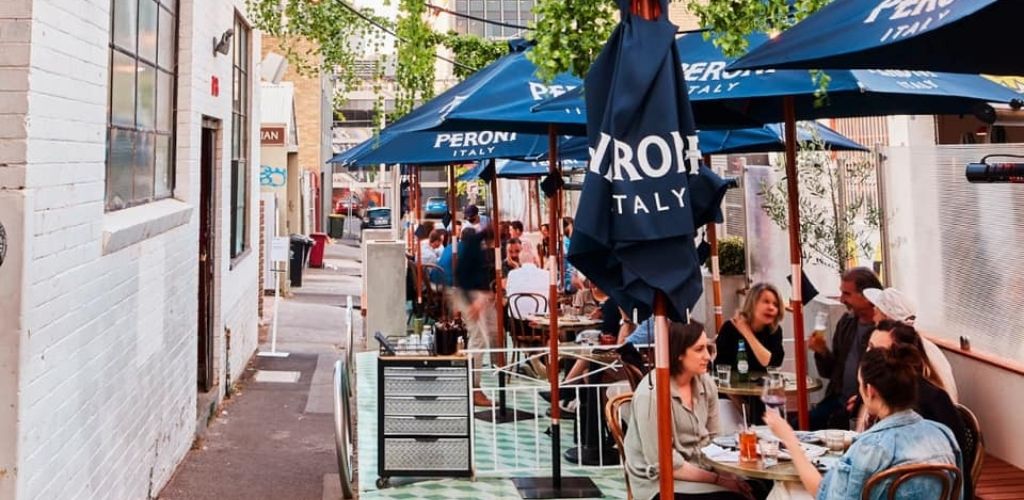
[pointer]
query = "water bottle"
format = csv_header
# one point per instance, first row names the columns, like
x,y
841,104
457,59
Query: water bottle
x,y
741,362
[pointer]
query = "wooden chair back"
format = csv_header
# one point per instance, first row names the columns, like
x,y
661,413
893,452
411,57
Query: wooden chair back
x,y
521,305
948,476
613,416
434,294
974,455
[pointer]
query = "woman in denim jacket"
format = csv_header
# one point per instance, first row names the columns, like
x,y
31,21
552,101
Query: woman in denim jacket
x,y
888,388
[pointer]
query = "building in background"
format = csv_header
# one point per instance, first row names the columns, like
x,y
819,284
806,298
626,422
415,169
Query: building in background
x,y
128,292
508,12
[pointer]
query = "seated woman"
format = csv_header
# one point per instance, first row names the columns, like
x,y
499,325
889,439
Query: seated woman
x,y
933,403
887,384
757,325
694,424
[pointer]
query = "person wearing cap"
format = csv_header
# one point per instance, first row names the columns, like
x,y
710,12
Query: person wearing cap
x,y
892,304
474,299
471,214
849,341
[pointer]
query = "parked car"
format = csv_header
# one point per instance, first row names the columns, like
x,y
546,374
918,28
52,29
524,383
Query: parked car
x,y
351,202
377,218
436,206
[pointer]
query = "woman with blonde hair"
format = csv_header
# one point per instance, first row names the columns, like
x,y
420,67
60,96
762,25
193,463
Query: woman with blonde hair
x,y
756,324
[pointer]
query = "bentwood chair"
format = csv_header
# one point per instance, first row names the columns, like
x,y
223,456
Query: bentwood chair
x,y
947,475
616,410
974,444
521,305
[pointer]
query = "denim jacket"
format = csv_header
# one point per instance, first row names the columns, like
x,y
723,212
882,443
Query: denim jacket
x,y
899,439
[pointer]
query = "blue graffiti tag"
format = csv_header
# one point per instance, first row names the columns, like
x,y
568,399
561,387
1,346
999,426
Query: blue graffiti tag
x,y
273,176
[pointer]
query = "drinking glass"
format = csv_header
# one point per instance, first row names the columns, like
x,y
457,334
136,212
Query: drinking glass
x,y
835,440
723,372
769,452
748,445
773,393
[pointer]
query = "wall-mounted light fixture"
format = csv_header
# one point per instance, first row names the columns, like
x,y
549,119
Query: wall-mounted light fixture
x,y
223,46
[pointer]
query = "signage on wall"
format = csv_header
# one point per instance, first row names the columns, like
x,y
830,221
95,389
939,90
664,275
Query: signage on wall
x,y
272,136
214,86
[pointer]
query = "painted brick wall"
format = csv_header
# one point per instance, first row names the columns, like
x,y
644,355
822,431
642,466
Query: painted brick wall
x,y
107,368
681,16
15,36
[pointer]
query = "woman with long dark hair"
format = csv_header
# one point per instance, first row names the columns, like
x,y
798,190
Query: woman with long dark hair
x,y
888,386
694,424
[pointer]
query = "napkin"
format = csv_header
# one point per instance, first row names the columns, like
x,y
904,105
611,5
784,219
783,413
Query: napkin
x,y
719,454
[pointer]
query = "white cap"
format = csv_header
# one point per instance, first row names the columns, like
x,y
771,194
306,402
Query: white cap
x,y
892,303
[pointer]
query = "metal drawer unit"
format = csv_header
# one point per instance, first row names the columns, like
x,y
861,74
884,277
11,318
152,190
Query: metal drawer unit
x,y
423,417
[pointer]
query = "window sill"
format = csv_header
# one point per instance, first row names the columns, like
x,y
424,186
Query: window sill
x,y
239,258
127,227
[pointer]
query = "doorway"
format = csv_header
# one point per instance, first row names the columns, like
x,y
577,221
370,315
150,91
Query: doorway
x,y
207,165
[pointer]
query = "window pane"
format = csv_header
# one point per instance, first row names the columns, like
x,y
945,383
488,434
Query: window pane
x,y
125,19
236,125
119,169
236,92
166,45
164,101
147,29
162,181
143,167
170,4
122,90
147,96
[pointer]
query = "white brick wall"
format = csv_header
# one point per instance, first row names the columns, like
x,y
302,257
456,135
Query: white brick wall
x,y
102,346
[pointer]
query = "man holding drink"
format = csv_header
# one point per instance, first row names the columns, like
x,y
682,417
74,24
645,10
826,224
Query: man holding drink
x,y
849,341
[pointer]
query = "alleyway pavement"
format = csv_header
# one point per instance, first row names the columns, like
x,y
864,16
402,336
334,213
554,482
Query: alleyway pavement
x,y
274,439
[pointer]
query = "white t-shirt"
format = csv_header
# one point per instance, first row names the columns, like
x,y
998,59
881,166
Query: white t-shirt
x,y
527,278
428,254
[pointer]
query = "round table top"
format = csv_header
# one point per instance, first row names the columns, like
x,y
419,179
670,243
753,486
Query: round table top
x,y
567,322
783,471
754,385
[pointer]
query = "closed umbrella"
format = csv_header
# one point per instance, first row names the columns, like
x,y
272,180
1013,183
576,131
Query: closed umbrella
x,y
960,36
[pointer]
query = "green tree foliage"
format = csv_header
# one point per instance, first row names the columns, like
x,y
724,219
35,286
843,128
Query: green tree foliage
x,y
835,224
732,20
569,35
414,72
471,51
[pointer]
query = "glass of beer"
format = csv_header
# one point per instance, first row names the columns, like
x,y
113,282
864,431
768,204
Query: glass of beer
x,y
748,445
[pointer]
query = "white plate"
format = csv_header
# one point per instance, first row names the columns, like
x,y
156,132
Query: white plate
x,y
810,450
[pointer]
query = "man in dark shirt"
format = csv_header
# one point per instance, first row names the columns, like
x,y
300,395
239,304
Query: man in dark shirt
x,y
849,341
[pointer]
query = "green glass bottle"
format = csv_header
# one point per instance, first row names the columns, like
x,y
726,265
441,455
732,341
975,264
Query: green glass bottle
x,y
742,367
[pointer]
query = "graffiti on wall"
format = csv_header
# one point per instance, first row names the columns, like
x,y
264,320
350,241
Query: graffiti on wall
x,y
273,176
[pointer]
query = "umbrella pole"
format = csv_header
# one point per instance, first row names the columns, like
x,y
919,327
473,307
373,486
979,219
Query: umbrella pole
x,y
419,248
556,434
536,194
716,276
499,302
792,188
663,396
452,196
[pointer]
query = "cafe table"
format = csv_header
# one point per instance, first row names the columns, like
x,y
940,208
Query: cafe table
x,y
787,485
753,386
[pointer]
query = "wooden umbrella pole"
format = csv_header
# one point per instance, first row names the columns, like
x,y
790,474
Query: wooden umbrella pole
x,y
793,191
536,193
418,247
556,433
716,276
499,301
663,394
452,196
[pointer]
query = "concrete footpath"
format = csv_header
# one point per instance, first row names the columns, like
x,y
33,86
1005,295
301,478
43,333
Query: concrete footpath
x,y
274,438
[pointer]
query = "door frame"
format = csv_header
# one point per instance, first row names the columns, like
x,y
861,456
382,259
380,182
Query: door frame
x,y
210,137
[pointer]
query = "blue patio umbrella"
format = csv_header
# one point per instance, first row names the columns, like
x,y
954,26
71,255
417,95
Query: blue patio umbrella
x,y
517,169
760,94
962,36
771,138
440,148
634,229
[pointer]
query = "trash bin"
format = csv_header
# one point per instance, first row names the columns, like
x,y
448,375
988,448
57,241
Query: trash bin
x,y
300,246
316,254
336,226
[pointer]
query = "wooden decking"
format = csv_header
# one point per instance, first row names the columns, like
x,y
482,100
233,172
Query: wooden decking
x,y
999,481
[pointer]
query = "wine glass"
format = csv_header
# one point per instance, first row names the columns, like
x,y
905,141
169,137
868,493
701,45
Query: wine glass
x,y
773,393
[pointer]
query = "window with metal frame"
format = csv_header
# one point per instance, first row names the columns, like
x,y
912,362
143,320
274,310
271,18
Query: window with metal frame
x,y
141,102
240,126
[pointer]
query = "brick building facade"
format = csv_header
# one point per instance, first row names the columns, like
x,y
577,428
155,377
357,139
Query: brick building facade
x,y
104,107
